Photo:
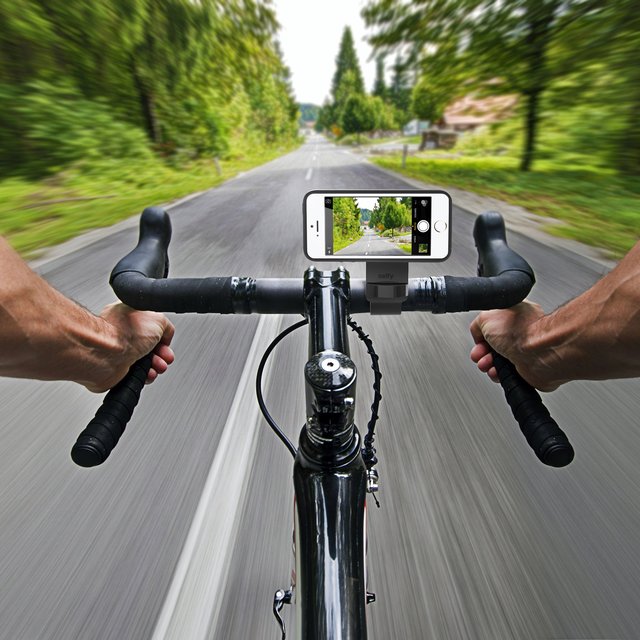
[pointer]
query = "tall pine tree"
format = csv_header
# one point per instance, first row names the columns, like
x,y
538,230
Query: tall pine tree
x,y
379,86
347,61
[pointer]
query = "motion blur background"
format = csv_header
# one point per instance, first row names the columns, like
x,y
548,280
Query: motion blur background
x,y
107,107
126,102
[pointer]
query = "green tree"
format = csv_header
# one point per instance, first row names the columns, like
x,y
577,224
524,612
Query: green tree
x,y
191,73
390,213
358,115
347,80
379,85
400,91
508,40
308,112
347,62
427,103
393,214
346,218
603,78
384,114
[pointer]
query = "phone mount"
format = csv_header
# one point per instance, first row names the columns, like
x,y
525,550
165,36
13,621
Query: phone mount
x,y
386,287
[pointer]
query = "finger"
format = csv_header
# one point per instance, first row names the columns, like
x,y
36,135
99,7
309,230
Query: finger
x,y
169,331
158,364
151,376
476,332
165,352
493,374
479,351
486,363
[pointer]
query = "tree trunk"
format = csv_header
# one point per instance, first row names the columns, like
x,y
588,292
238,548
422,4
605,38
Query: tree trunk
x,y
540,17
147,106
628,147
531,133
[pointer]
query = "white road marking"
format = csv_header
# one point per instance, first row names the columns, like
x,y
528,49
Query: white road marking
x,y
309,173
192,606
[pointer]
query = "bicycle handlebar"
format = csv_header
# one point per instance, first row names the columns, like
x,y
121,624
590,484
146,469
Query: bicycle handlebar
x,y
140,281
541,431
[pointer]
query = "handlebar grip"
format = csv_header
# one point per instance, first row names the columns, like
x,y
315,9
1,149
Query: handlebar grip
x,y
150,254
494,254
100,437
542,432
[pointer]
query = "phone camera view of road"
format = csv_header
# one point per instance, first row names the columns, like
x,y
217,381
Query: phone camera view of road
x,y
379,226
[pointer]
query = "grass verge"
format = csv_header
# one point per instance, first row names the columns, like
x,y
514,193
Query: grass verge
x,y
340,242
34,215
598,207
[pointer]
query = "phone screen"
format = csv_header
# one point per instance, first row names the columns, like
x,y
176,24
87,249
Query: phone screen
x,y
377,225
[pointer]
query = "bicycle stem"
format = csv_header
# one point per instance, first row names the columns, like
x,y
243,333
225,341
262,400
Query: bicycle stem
x,y
330,436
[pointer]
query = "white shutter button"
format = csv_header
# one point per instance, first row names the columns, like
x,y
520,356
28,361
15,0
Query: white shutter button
x,y
423,226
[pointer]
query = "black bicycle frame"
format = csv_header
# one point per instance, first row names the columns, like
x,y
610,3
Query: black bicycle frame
x,y
330,478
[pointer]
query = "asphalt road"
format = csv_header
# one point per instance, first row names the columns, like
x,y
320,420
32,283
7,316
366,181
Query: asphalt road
x,y
185,532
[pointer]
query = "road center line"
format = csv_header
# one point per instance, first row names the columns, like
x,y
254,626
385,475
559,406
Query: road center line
x,y
192,605
309,173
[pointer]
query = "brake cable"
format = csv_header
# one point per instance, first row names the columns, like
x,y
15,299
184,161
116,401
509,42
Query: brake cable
x,y
263,407
368,450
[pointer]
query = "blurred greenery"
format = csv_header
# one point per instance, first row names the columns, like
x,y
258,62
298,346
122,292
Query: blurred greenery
x,y
98,193
565,53
99,96
599,206
351,110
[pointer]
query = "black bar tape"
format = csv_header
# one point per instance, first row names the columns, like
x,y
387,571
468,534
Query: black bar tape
x,y
497,292
97,441
180,295
542,432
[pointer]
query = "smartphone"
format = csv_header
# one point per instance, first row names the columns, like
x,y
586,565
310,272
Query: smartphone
x,y
377,225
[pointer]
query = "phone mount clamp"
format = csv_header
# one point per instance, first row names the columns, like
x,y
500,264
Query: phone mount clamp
x,y
386,287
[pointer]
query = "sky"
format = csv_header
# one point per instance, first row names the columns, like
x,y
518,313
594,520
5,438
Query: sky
x,y
310,36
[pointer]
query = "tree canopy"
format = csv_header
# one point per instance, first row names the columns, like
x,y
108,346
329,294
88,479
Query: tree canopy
x,y
513,46
195,77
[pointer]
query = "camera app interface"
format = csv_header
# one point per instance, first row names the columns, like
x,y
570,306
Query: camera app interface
x,y
378,226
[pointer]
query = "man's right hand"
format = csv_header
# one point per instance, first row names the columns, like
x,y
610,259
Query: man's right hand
x,y
511,333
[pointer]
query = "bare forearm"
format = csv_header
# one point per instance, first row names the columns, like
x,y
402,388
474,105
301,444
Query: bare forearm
x,y
43,334
597,335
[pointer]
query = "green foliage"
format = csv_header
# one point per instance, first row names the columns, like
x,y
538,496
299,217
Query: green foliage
x,y
359,114
427,101
384,114
514,47
391,213
346,65
379,85
400,92
504,138
101,192
58,127
198,77
346,222
308,112
347,81
596,206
